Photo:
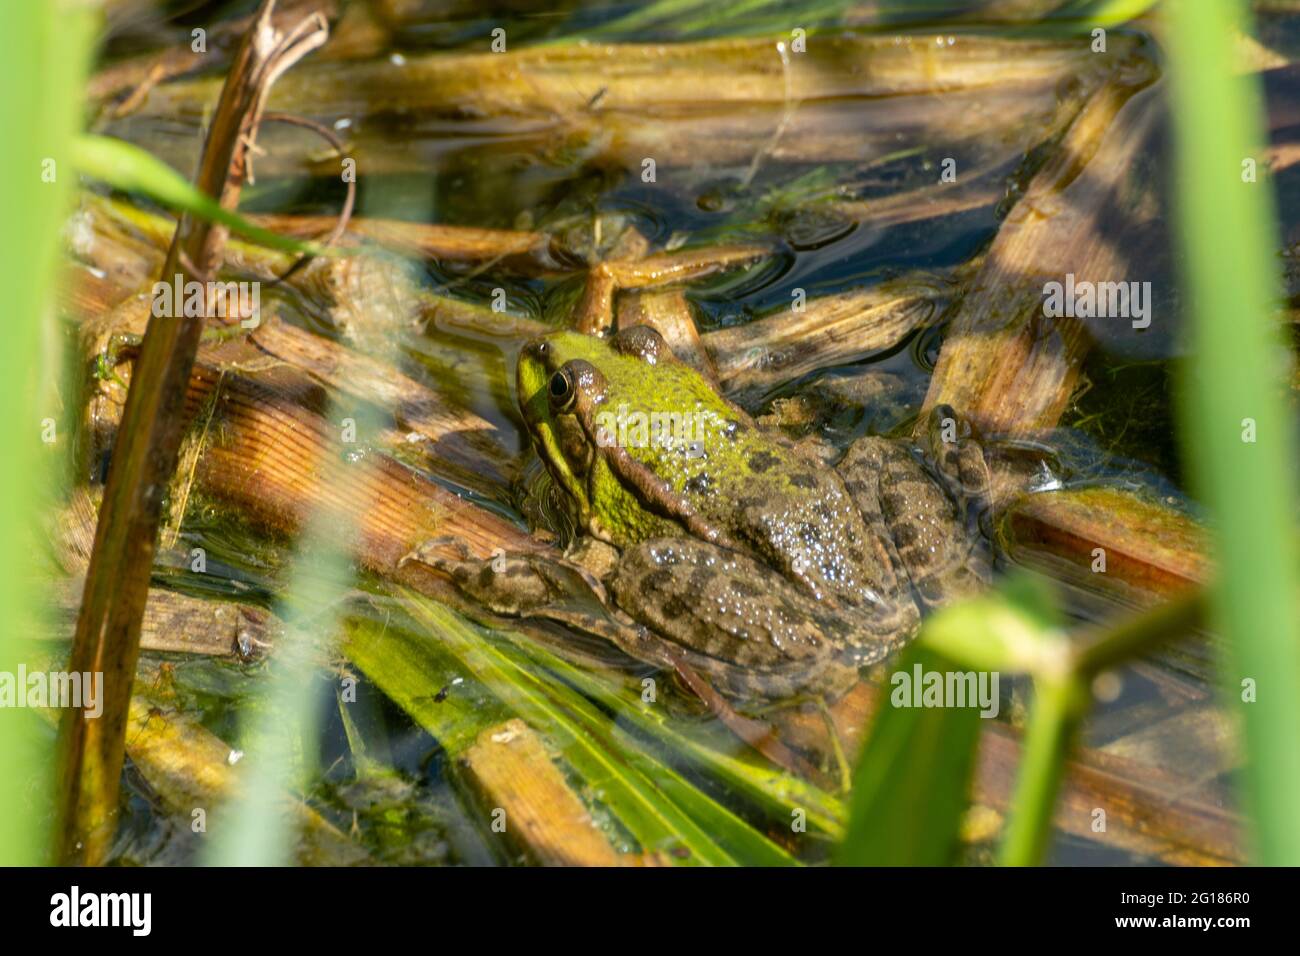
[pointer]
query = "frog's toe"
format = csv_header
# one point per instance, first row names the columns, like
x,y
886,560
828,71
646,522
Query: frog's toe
x,y
955,453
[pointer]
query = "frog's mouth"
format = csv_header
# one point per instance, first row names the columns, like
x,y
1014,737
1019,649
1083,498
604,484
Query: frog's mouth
x,y
559,439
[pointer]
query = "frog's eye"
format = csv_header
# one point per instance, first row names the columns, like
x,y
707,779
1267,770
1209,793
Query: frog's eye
x,y
560,391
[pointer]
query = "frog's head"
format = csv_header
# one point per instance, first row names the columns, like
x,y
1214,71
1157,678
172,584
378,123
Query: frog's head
x,y
570,387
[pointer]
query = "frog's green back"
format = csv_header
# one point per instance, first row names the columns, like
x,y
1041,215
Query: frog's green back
x,y
668,417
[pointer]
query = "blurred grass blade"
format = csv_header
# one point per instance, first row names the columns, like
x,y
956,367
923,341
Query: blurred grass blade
x,y
912,782
683,19
131,169
691,18
1236,429
999,631
255,828
46,51
146,450
1058,709
913,778
1101,13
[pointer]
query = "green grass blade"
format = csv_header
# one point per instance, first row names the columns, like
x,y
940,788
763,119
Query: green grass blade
x,y
913,779
1236,382
46,51
741,842
253,828
1059,706
130,169
658,807
766,786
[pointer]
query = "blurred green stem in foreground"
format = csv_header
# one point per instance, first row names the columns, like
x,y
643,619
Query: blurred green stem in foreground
x,y
1237,432
693,19
45,49
912,781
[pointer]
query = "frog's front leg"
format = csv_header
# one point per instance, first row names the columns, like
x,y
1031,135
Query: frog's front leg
x,y
529,584
545,586
749,630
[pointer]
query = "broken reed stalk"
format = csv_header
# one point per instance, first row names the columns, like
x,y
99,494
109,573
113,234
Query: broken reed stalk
x,y
508,768
117,584
1004,364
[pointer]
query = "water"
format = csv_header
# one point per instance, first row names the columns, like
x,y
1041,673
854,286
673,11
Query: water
x,y
508,171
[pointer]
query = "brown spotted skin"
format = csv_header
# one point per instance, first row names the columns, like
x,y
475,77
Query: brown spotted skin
x,y
754,634
936,548
768,571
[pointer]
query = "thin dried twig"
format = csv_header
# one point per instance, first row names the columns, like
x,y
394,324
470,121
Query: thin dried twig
x,y
117,584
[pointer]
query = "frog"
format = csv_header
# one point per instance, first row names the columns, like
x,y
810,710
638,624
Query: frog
x,y
722,544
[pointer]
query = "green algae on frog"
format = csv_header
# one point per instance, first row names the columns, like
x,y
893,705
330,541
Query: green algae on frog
x,y
738,554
